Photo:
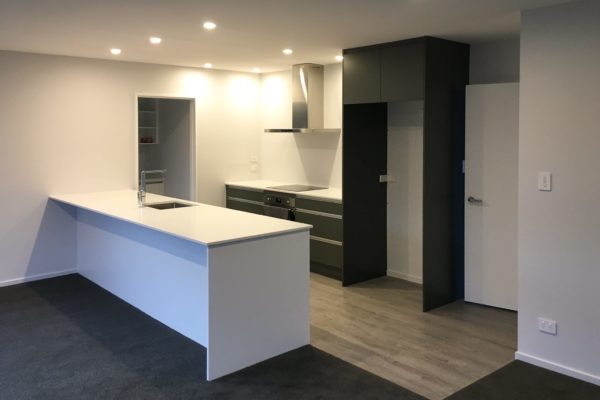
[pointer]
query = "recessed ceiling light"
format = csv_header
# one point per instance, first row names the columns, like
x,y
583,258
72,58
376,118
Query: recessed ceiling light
x,y
207,65
209,26
256,70
115,51
155,40
339,57
287,52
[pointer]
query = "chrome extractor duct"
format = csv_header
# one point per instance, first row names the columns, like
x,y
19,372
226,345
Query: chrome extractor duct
x,y
307,100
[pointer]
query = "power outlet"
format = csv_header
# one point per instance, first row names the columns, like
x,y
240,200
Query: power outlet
x,y
547,325
545,181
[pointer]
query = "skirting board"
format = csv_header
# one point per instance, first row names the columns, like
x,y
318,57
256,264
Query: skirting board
x,y
406,277
31,278
561,369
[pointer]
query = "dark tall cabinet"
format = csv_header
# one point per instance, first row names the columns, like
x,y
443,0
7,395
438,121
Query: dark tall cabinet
x,y
431,70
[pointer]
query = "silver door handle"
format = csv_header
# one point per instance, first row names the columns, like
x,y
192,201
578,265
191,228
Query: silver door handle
x,y
473,200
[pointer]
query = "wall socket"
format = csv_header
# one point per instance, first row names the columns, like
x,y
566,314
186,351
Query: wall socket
x,y
545,181
547,325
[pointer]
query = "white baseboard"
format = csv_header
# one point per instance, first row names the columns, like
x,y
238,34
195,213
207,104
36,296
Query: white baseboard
x,y
31,278
406,277
561,369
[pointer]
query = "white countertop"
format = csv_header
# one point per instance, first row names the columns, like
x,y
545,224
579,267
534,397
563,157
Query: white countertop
x,y
333,195
202,223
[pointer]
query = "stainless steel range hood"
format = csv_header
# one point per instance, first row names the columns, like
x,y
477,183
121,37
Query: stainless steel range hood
x,y
307,100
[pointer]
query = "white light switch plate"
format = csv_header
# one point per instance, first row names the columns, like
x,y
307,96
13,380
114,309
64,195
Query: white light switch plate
x,y
547,325
545,181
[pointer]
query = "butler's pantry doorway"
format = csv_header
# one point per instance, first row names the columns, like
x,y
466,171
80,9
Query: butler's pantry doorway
x,y
165,141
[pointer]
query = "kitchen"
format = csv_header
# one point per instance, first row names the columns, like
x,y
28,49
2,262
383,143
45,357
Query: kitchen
x,y
87,111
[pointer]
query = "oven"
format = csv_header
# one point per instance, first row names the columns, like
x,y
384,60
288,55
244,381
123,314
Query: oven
x,y
279,205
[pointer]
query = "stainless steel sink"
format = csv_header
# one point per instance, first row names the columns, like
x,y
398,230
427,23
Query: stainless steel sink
x,y
167,206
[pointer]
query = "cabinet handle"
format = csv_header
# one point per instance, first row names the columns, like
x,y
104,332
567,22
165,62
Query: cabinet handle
x,y
328,241
319,213
258,203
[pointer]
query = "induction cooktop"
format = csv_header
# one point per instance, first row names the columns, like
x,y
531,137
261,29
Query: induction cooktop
x,y
295,188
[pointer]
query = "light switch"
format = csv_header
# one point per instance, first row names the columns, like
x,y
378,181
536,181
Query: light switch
x,y
545,181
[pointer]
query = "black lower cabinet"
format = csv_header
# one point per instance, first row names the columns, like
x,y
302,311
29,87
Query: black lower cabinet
x,y
326,247
245,200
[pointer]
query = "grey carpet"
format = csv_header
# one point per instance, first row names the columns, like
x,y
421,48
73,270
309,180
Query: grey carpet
x,y
522,381
66,338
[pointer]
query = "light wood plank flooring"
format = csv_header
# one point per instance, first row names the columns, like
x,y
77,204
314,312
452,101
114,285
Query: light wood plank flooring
x,y
378,326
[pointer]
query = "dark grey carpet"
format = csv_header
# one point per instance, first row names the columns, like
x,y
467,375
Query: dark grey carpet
x,y
66,338
522,381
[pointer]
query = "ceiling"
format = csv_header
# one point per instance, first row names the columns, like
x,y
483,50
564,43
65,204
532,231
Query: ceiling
x,y
249,33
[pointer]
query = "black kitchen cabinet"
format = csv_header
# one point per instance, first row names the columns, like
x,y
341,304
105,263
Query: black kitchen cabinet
x,y
364,159
434,71
326,246
362,77
386,73
247,200
403,71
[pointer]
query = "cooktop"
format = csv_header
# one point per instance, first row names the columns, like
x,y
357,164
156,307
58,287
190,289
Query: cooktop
x,y
295,188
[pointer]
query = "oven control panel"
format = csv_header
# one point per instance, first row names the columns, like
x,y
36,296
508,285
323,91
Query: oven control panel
x,y
279,200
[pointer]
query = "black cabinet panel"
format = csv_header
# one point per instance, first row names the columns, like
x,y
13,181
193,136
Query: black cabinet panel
x,y
244,200
447,74
253,195
318,205
239,204
323,226
365,198
403,71
362,77
326,253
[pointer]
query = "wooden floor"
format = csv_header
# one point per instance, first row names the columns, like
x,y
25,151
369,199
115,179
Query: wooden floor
x,y
379,326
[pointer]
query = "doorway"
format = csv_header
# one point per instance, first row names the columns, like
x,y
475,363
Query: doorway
x,y
165,140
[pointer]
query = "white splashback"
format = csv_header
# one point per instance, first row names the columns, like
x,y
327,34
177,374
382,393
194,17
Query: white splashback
x,y
301,158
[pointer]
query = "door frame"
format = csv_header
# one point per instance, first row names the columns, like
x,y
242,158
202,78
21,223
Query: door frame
x,y
192,104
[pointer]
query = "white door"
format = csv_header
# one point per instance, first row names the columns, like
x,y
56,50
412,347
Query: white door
x,y
491,167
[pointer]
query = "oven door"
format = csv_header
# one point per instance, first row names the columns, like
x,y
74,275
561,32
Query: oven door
x,y
279,212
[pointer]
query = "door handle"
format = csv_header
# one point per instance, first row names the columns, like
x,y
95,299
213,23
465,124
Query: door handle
x,y
473,200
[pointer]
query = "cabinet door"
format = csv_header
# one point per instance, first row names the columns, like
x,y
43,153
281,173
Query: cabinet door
x,y
403,72
327,226
364,159
362,77
245,205
245,200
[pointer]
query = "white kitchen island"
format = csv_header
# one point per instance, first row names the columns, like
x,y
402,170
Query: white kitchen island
x,y
234,282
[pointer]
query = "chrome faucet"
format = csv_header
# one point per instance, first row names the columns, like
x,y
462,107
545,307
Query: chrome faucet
x,y
141,195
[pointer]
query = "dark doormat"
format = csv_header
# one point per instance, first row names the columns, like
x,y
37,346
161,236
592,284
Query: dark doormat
x,y
522,381
66,338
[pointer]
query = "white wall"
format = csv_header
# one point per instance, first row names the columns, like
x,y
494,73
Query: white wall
x,y
405,193
494,62
67,125
559,231
301,158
